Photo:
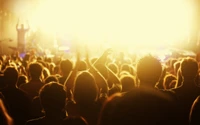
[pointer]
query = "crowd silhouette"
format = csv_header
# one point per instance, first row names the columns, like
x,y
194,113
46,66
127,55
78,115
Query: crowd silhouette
x,y
121,90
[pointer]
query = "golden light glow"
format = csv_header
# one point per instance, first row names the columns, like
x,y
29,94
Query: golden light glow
x,y
133,23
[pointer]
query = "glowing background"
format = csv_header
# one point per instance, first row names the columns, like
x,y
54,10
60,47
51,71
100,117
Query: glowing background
x,y
136,23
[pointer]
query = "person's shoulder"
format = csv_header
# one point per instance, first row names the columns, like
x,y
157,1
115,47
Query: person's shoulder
x,y
19,92
177,89
62,79
37,121
115,98
35,82
169,91
23,85
22,93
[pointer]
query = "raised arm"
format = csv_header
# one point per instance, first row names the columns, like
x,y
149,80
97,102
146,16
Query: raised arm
x,y
69,83
111,76
100,80
103,58
28,26
17,25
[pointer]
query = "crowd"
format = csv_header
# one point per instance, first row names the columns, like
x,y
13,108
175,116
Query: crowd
x,y
105,90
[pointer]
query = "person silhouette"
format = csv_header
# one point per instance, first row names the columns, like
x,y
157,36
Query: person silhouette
x,y
53,101
21,32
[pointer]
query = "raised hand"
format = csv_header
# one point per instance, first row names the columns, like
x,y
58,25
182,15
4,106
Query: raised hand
x,y
17,24
87,55
103,58
107,52
28,26
78,58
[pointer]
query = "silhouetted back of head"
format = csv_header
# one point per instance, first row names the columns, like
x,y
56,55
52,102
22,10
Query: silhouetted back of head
x,y
44,64
128,83
51,79
22,26
85,89
189,68
27,57
126,67
45,72
149,70
35,70
167,80
66,66
21,80
82,66
49,60
53,97
140,107
11,76
39,58
75,121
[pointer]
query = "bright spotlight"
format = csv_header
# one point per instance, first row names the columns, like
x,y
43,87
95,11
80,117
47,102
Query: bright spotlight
x,y
121,23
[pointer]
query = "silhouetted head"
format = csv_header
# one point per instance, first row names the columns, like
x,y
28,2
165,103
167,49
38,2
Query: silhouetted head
x,y
124,73
145,106
51,78
21,80
128,83
56,70
51,68
189,69
43,63
82,66
85,88
167,81
27,57
39,58
35,70
149,70
45,72
128,68
15,55
49,60
22,26
66,66
52,97
173,84
11,76
74,121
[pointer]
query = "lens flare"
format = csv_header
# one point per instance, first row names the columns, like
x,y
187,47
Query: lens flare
x,y
121,23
